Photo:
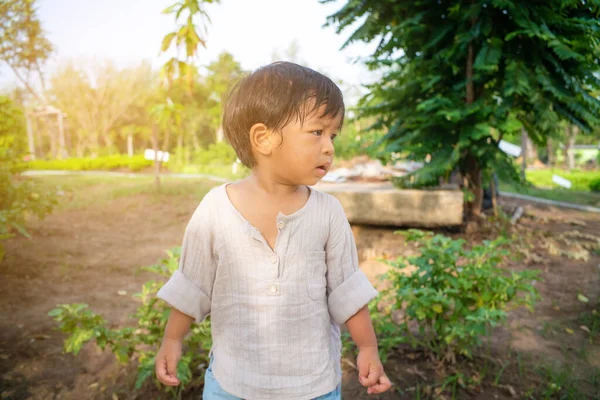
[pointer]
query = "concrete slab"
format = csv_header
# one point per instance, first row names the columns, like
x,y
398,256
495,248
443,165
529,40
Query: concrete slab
x,y
383,204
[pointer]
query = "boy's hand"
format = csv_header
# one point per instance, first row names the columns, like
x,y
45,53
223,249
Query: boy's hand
x,y
370,371
166,361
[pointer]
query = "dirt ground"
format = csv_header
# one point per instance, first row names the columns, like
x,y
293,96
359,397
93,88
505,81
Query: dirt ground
x,y
92,253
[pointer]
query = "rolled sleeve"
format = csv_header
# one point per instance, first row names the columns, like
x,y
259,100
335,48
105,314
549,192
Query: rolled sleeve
x,y
348,288
349,297
190,288
186,297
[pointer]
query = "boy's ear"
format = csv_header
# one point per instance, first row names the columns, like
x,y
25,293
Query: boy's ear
x,y
263,139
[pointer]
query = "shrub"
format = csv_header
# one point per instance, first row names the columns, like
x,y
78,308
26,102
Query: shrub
x,y
19,195
107,163
142,341
216,153
453,297
595,185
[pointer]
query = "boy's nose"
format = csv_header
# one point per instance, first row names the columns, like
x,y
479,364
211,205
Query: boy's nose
x,y
328,147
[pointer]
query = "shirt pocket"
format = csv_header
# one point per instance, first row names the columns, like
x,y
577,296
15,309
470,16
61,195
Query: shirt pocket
x,y
316,275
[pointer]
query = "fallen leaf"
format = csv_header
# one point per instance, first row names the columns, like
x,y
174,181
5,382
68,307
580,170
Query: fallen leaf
x,y
569,331
585,328
41,337
122,292
115,397
510,390
93,385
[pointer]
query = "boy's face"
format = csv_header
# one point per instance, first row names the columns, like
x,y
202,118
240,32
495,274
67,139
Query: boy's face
x,y
305,151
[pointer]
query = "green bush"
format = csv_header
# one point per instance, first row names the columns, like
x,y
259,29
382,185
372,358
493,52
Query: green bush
x,y
140,342
217,153
19,195
595,185
106,163
453,297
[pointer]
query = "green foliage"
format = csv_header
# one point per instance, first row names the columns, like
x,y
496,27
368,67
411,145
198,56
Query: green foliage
x,y
19,195
458,75
353,142
186,37
107,163
216,153
23,45
453,296
595,185
142,341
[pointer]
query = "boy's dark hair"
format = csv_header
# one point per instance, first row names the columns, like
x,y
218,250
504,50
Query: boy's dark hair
x,y
275,95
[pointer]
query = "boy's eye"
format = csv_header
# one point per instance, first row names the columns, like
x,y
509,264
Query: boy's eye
x,y
333,137
317,133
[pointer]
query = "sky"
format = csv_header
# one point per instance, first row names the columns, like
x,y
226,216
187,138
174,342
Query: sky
x,y
129,31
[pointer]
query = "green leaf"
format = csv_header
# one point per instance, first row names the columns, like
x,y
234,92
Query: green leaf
x,y
166,43
488,57
437,308
77,339
145,371
55,312
21,229
582,298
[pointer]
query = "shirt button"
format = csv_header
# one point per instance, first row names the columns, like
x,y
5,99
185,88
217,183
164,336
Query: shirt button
x,y
274,259
273,288
280,224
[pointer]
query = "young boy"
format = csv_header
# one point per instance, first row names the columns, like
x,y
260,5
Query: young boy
x,y
270,259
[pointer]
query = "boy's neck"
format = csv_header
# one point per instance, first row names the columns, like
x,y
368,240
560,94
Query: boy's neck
x,y
270,185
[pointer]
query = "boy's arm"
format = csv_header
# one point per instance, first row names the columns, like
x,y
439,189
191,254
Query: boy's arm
x,y
370,369
169,354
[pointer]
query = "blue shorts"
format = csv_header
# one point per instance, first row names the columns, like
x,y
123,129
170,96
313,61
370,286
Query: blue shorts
x,y
214,391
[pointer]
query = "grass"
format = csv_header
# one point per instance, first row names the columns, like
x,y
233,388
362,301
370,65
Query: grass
x,y
78,191
542,178
570,196
543,187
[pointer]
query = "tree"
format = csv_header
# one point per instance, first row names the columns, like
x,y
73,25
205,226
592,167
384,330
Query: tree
x,y
458,75
186,37
23,45
96,96
222,73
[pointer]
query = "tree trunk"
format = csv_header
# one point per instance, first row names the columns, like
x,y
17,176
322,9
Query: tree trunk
x,y
156,161
130,145
550,151
473,169
30,138
61,136
52,133
572,133
523,154
473,175
179,147
531,151
220,134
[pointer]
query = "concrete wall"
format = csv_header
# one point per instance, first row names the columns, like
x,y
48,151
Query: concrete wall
x,y
382,204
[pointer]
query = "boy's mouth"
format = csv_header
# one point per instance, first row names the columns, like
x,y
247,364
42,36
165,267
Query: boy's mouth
x,y
323,168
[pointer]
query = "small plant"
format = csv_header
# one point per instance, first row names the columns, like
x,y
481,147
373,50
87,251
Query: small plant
x,y
589,322
451,295
142,341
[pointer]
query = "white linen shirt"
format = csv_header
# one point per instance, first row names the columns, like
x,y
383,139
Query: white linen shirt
x,y
275,315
